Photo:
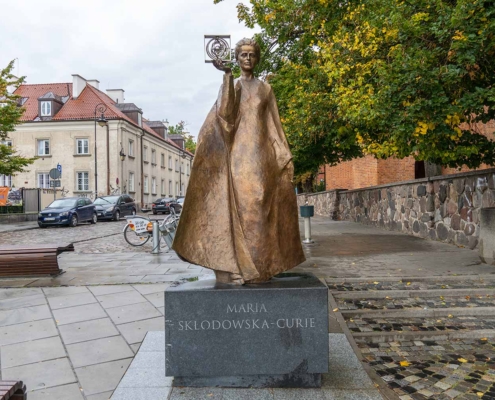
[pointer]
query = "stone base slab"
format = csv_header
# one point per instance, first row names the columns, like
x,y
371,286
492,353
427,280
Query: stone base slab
x,y
276,330
252,381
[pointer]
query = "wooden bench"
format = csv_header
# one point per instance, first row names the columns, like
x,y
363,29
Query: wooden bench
x,y
12,390
29,260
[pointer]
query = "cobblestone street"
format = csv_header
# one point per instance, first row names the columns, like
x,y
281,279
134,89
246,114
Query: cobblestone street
x,y
103,238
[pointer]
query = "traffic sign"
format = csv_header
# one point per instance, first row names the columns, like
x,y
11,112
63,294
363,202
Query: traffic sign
x,y
55,183
54,173
59,167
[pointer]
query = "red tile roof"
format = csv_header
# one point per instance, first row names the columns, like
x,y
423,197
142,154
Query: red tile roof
x,y
33,92
82,108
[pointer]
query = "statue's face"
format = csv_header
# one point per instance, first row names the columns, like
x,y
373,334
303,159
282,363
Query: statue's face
x,y
247,58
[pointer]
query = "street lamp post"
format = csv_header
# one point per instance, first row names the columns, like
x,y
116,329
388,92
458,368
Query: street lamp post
x,y
183,155
101,108
122,158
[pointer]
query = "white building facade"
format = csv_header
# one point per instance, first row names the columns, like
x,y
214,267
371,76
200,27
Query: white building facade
x,y
128,154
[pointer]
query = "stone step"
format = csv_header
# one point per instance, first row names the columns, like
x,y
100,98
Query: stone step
x,y
374,286
402,294
423,278
419,313
412,304
386,337
427,323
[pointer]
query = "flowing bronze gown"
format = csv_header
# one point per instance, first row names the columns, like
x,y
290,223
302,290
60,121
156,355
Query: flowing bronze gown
x,y
240,210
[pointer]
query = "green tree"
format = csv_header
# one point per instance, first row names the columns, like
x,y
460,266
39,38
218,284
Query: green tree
x,y
179,129
10,114
384,77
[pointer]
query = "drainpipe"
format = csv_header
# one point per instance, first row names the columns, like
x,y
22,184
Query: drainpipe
x,y
108,159
142,172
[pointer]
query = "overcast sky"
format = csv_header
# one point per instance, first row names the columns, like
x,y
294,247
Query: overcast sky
x,y
153,49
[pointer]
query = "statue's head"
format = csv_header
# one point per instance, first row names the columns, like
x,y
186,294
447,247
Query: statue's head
x,y
247,54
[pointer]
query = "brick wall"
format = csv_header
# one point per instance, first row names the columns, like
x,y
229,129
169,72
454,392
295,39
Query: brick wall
x,y
368,171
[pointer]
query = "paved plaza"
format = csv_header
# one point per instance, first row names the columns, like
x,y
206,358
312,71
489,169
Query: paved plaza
x,y
418,315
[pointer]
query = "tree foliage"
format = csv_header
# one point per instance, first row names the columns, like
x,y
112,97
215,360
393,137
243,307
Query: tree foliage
x,y
10,114
390,78
179,129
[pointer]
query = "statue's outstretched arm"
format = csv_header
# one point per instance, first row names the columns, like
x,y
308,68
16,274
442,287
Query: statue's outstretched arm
x,y
227,99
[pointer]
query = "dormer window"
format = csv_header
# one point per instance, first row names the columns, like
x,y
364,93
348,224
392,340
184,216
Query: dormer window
x,y
140,120
46,108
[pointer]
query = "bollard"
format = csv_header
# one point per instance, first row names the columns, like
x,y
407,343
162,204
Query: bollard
x,y
156,238
307,212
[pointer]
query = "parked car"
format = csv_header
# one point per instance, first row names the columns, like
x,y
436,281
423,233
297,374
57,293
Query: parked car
x,y
163,206
114,207
180,200
68,211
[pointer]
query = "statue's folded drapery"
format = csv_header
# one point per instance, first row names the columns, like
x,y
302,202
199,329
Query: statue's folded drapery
x,y
240,212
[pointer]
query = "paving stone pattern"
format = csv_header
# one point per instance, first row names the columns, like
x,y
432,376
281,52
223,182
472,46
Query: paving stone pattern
x,y
423,365
461,369
75,342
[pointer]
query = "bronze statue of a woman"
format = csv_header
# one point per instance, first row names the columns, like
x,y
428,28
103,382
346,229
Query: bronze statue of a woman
x,y
240,212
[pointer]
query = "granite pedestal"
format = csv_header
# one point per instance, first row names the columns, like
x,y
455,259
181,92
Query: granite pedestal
x,y
273,334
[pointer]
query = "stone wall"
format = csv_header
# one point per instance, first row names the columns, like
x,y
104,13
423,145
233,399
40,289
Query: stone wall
x,y
445,208
326,203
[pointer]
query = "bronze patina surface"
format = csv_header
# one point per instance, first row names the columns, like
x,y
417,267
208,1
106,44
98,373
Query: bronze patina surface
x,y
240,213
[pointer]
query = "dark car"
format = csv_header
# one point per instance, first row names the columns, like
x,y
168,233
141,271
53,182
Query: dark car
x,y
113,207
163,206
68,211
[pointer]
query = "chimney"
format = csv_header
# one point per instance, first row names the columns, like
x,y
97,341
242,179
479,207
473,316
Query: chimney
x,y
94,82
166,123
116,95
78,85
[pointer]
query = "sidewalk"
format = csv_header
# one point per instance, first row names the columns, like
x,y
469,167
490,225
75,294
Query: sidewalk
x,y
77,341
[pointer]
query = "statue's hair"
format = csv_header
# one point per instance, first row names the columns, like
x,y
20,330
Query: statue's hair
x,y
247,42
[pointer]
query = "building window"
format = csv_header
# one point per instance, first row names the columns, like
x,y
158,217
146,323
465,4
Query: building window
x,y
170,189
82,146
83,181
163,187
6,180
131,181
153,157
176,165
140,119
146,190
162,160
169,162
131,148
145,154
43,147
6,143
46,108
182,190
177,189
43,180
153,185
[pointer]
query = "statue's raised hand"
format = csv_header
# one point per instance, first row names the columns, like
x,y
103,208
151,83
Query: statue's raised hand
x,y
219,64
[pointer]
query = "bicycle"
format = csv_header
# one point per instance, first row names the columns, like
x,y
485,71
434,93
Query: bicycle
x,y
139,230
